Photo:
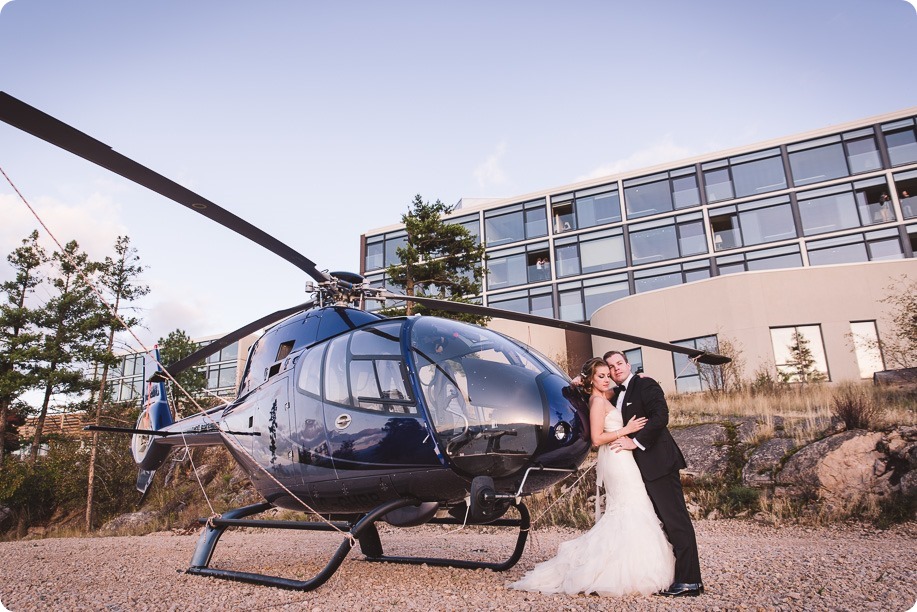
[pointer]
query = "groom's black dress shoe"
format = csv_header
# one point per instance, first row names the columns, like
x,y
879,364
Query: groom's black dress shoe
x,y
683,589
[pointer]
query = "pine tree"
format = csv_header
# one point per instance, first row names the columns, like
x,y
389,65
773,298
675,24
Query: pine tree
x,y
175,346
73,325
118,276
802,366
18,336
439,260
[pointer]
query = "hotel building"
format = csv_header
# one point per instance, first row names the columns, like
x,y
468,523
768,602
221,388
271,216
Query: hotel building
x,y
804,234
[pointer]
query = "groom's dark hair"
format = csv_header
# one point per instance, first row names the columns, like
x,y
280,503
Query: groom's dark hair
x,y
610,353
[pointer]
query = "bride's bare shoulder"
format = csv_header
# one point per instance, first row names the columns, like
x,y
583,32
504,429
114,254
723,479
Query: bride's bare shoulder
x,y
599,403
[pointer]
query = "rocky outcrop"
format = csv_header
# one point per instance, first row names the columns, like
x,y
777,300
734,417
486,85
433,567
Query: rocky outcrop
x,y
705,448
764,462
839,468
129,522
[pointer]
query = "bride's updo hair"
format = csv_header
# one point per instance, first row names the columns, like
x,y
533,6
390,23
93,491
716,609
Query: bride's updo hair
x,y
588,371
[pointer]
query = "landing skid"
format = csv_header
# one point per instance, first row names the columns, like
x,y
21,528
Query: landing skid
x,y
364,530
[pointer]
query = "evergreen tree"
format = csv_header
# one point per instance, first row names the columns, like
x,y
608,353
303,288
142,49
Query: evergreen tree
x,y
439,260
19,339
802,366
173,347
73,325
118,276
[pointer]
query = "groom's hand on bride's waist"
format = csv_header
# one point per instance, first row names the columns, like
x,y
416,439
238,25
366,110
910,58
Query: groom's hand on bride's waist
x,y
623,443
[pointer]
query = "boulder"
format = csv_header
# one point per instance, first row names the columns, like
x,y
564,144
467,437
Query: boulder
x,y
205,473
908,484
705,448
745,427
127,522
901,446
764,461
840,468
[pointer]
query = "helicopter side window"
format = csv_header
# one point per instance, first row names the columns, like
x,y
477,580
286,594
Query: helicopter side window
x,y
377,376
363,382
377,340
336,373
310,376
380,385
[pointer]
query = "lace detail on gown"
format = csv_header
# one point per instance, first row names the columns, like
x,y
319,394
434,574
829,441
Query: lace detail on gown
x,y
625,552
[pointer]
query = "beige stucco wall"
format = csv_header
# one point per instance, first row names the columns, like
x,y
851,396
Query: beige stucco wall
x,y
745,306
742,307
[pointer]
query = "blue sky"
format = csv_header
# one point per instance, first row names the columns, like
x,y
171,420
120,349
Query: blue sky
x,y
318,121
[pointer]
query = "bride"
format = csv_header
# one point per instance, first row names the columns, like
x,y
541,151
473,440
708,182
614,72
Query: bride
x,y
626,551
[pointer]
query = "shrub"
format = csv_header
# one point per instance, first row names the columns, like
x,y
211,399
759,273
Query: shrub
x,y
854,405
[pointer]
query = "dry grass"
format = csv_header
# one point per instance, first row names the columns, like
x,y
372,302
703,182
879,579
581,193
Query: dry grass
x,y
812,402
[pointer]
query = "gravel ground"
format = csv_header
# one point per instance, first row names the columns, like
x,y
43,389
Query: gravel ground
x,y
746,567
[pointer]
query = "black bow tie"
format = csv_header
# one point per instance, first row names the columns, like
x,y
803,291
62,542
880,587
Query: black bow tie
x,y
620,389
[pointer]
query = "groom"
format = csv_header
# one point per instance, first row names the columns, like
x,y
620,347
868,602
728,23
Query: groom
x,y
659,459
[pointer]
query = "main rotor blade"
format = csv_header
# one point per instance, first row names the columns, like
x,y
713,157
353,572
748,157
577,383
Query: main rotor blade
x,y
701,356
217,345
33,121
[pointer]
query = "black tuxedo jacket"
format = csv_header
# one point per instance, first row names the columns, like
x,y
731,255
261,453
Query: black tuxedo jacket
x,y
644,398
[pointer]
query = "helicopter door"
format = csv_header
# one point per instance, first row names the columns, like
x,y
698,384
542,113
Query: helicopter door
x,y
372,419
273,418
310,440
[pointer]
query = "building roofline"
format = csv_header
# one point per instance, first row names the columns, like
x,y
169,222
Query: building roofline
x,y
490,203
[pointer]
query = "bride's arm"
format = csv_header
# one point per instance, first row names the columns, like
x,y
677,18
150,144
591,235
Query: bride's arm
x,y
598,408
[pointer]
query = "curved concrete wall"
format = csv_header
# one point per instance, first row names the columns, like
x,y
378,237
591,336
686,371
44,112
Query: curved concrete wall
x,y
743,307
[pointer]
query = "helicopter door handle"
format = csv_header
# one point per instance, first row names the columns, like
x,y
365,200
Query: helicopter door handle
x,y
343,421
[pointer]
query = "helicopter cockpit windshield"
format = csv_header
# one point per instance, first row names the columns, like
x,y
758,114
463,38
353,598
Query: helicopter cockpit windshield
x,y
482,394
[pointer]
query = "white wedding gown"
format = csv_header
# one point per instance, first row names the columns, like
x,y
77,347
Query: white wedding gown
x,y
625,552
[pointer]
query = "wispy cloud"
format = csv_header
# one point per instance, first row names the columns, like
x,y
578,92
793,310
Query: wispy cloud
x,y
94,223
490,173
661,152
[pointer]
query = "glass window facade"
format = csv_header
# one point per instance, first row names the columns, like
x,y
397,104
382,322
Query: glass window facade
x,y
688,378
744,175
751,223
663,192
866,347
764,259
585,209
669,238
810,201
518,266
590,252
807,361
470,223
845,206
901,140
856,248
381,251
635,359
667,276
758,173
538,301
906,183
515,223
580,299
817,161
125,380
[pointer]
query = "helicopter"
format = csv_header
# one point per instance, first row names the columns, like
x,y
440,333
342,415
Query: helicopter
x,y
357,417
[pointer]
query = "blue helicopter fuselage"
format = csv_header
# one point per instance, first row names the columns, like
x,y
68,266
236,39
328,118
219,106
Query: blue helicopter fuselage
x,y
344,410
